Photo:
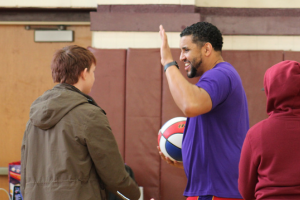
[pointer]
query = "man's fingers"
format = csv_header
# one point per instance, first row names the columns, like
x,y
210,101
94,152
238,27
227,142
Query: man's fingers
x,y
162,155
163,34
161,29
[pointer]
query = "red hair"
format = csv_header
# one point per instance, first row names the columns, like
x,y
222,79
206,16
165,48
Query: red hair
x,y
69,62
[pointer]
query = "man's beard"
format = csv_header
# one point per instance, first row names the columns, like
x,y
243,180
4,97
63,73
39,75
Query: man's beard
x,y
193,71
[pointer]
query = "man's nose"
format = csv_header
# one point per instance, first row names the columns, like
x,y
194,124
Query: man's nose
x,y
182,57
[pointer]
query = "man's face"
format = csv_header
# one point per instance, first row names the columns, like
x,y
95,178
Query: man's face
x,y
191,56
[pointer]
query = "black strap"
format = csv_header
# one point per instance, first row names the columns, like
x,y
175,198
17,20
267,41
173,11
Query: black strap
x,y
170,64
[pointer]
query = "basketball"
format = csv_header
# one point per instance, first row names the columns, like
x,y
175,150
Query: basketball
x,y
170,138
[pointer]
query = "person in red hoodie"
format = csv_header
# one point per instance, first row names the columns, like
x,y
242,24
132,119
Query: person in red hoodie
x,y
269,166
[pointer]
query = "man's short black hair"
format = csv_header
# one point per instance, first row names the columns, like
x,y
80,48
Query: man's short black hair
x,y
203,32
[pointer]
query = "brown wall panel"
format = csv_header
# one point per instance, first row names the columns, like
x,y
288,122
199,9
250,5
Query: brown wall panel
x,y
292,55
43,15
251,65
147,8
143,117
173,180
109,89
231,21
244,25
120,21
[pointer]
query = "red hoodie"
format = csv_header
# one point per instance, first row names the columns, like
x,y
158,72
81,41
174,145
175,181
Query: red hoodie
x,y
270,159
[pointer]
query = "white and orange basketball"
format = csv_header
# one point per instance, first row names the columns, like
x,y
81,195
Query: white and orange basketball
x,y
170,138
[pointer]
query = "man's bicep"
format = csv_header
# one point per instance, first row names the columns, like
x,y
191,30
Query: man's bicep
x,y
201,103
206,101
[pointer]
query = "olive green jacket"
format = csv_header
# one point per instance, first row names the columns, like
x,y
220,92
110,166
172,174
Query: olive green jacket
x,y
69,151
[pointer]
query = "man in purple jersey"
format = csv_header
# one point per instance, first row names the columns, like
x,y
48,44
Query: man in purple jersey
x,y
217,113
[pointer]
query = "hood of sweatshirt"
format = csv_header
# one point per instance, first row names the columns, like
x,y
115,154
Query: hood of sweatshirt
x,y
47,110
282,87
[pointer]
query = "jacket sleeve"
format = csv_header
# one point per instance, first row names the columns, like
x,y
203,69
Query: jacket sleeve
x,y
247,171
105,154
23,162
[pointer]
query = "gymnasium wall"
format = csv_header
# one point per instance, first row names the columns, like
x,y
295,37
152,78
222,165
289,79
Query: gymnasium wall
x,y
130,85
256,36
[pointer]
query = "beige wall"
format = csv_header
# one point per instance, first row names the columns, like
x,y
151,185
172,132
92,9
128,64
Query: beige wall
x,y
200,3
123,40
49,4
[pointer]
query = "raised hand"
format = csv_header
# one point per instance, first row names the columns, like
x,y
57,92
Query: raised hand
x,y
165,51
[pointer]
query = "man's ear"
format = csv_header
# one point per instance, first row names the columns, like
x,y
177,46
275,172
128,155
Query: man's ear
x,y
208,49
83,74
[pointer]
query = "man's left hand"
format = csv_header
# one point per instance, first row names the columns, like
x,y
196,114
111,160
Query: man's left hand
x,y
165,51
